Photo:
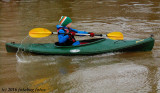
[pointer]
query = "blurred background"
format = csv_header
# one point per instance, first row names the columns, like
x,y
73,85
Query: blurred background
x,y
106,73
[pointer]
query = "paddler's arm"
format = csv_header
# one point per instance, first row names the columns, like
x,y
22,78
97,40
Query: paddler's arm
x,y
80,32
83,32
61,37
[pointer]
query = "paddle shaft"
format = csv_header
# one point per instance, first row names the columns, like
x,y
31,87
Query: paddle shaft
x,y
78,34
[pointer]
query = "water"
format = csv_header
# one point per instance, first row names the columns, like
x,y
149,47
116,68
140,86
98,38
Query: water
x,y
106,73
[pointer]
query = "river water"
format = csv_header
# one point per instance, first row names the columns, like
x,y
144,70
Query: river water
x,y
135,72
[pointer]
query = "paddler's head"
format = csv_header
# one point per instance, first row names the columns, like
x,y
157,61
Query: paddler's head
x,y
65,21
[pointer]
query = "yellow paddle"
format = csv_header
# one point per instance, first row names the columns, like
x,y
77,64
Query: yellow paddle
x,y
42,32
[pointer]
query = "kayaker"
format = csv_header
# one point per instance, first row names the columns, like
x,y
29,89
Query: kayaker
x,y
65,27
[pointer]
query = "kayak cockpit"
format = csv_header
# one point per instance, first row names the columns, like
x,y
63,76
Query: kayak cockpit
x,y
82,42
90,41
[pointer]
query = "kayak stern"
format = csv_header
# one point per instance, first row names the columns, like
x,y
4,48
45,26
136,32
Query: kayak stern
x,y
10,47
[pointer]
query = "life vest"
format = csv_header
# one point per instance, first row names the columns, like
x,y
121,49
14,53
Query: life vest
x,y
71,38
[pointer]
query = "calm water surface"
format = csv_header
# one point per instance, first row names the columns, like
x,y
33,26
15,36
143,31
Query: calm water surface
x,y
136,72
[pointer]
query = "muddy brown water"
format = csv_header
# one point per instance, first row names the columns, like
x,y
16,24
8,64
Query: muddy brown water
x,y
135,72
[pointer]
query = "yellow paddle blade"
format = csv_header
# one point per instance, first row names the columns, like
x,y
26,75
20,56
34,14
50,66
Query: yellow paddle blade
x,y
39,33
115,36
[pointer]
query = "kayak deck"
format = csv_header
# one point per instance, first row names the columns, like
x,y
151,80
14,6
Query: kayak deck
x,y
87,47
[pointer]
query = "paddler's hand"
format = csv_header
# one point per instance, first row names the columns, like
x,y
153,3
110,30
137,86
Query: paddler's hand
x,y
91,34
73,33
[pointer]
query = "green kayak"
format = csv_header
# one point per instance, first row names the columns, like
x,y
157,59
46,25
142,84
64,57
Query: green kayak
x,y
87,47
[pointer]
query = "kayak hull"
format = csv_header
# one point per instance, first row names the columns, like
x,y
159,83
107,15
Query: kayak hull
x,y
95,46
